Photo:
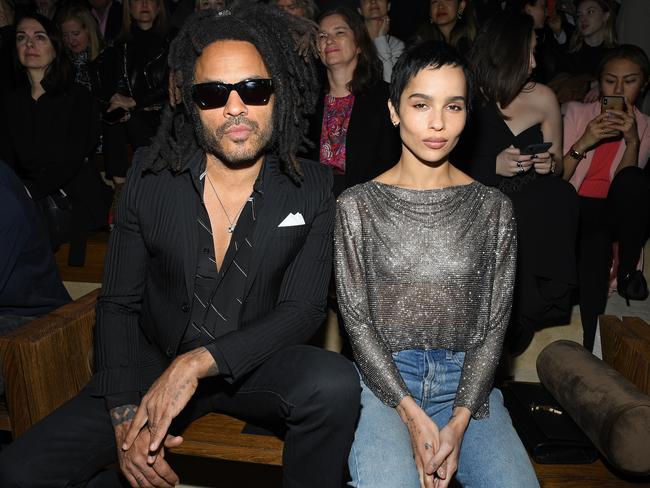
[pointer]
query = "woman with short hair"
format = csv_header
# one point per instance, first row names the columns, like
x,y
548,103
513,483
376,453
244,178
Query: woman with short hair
x,y
425,263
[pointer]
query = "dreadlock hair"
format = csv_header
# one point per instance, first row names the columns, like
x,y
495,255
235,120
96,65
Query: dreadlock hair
x,y
286,43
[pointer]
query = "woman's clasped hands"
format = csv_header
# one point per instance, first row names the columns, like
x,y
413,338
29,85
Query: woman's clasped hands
x,y
435,451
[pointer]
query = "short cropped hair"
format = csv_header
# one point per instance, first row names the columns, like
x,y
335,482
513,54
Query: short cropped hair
x,y
423,55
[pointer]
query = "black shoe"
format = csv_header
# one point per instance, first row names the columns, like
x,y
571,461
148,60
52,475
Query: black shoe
x,y
633,287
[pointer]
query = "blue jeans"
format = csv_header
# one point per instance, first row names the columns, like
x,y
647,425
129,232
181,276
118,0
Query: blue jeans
x,y
491,454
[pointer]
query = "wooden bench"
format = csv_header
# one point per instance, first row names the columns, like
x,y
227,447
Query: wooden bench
x,y
47,361
626,348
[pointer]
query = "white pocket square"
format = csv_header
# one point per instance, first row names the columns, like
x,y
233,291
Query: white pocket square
x,y
292,220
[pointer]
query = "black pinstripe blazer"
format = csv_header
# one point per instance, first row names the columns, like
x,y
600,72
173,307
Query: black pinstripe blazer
x,y
145,301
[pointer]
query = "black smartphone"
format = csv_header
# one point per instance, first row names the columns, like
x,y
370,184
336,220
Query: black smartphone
x,y
538,148
612,103
114,116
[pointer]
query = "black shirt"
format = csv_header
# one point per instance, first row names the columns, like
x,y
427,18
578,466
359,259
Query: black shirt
x,y
218,294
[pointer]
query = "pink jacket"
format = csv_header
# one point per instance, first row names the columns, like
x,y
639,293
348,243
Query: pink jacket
x,y
578,115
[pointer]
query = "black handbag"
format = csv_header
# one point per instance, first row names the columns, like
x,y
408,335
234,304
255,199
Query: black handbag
x,y
56,210
545,428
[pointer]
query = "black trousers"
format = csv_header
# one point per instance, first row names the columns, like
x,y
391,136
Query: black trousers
x,y
308,394
623,216
137,131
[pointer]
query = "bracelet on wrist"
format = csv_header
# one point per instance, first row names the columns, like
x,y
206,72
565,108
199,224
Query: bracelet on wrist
x,y
577,155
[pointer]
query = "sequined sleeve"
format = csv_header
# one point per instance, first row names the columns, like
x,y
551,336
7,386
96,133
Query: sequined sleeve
x,y
371,353
481,362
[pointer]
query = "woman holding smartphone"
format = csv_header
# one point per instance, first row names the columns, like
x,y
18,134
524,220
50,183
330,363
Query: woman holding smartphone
x,y
512,114
605,150
425,261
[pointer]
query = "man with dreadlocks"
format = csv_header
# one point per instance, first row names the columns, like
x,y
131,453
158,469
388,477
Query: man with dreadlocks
x,y
217,271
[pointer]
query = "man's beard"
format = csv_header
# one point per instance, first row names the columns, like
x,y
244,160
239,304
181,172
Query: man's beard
x,y
246,152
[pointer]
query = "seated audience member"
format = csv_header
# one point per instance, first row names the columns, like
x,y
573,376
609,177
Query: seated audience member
x,y
351,130
48,127
389,48
82,41
131,81
594,34
451,21
30,285
212,286
108,14
511,114
425,265
301,8
605,152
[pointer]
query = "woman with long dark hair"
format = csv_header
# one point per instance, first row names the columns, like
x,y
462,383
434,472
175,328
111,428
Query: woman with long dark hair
x,y
351,130
501,148
425,264
604,154
49,126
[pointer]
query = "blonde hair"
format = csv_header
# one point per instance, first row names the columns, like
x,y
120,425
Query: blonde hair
x,y
85,19
609,38
159,24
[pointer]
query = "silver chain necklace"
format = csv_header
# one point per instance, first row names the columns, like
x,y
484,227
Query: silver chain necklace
x,y
232,225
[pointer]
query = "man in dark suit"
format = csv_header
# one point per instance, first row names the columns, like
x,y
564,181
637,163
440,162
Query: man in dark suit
x,y
217,271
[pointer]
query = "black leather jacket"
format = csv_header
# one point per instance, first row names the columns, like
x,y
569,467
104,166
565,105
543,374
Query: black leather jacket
x,y
136,68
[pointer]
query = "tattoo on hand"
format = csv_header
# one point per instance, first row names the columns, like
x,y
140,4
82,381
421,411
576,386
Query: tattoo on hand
x,y
122,414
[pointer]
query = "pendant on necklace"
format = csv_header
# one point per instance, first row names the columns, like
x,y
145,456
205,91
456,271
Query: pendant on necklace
x,y
231,228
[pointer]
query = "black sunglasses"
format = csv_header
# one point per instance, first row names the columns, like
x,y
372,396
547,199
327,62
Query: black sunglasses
x,y
214,94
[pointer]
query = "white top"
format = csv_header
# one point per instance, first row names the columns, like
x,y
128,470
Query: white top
x,y
389,49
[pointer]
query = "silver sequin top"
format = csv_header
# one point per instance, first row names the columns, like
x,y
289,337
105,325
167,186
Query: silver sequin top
x,y
425,269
